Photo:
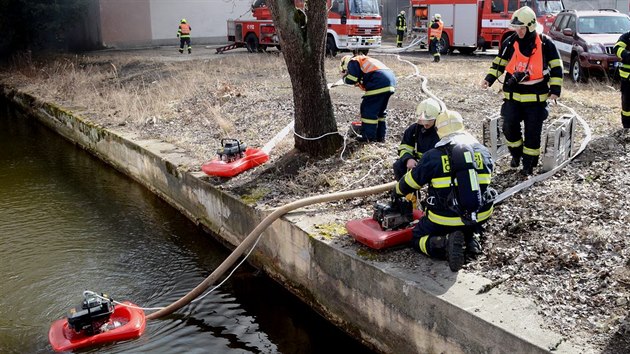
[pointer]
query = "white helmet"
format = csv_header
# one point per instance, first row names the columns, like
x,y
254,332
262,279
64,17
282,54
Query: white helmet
x,y
437,17
524,17
343,66
449,122
428,109
402,12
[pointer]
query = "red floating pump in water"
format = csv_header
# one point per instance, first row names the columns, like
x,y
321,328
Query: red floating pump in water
x,y
234,158
96,321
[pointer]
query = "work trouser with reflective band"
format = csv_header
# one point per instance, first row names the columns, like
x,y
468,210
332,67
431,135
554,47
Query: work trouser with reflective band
x,y
434,47
400,34
184,41
374,113
532,110
426,229
625,101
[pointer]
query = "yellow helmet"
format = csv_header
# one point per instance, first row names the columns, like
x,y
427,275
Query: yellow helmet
x,y
183,20
428,109
524,17
449,122
344,62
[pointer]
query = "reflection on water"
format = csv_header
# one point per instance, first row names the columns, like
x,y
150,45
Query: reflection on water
x,y
70,223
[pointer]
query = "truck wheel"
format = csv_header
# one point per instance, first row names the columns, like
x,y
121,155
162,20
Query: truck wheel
x,y
331,47
251,42
444,44
577,73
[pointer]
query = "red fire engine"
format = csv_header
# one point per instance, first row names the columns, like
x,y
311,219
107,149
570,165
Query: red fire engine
x,y
353,25
472,24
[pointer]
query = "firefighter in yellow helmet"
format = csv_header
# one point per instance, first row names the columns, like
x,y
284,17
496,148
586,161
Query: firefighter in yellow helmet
x,y
435,36
379,83
533,75
458,174
183,33
418,138
401,28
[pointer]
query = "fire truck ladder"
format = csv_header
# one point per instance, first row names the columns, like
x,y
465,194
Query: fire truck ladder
x,y
230,46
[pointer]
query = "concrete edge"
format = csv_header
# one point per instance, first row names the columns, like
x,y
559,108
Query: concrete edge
x,y
391,310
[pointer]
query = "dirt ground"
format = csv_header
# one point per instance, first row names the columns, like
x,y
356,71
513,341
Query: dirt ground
x,y
563,242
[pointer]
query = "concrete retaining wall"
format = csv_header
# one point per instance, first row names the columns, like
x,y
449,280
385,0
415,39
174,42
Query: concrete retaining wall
x,y
392,310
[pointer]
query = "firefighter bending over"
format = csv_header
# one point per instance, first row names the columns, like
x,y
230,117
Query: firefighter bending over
x,y
183,33
401,28
533,75
379,83
623,52
435,36
458,173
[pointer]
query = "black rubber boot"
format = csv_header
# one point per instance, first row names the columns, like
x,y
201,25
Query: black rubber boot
x,y
455,250
473,245
516,161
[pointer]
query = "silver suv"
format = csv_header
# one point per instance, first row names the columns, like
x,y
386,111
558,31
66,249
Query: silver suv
x,y
585,40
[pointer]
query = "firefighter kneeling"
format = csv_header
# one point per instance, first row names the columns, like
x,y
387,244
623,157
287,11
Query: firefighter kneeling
x,y
458,173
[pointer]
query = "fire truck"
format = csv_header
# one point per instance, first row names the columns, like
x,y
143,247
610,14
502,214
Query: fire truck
x,y
353,25
473,24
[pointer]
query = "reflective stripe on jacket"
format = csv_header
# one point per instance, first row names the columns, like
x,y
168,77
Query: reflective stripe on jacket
x,y
621,50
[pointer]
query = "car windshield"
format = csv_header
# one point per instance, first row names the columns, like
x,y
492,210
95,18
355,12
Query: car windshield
x,y
603,24
364,7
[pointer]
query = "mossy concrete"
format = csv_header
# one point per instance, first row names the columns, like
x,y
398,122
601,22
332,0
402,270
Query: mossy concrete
x,y
390,309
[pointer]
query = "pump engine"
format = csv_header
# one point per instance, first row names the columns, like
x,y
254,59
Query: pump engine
x,y
92,314
396,214
231,150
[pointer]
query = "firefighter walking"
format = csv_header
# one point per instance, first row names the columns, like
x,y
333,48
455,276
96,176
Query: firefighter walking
x,y
183,33
623,52
401,28
533,75
458,174
435,36
379,83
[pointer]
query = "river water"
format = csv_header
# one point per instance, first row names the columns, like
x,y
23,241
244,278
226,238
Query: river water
x,y
70,223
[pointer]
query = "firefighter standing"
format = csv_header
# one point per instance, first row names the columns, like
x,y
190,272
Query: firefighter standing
x,y
401,28
379,83
435,36
418,138
183,33
443,231
533,74
623,52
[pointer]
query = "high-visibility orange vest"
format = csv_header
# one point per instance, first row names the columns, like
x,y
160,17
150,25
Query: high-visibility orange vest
x,y
533,64
369,64
436,32
184,28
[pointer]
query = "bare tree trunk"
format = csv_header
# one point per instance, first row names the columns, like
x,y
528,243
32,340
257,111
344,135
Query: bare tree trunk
x,y
302,39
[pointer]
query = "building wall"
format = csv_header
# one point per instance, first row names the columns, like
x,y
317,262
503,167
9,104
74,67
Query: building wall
x,y
125,22
208,19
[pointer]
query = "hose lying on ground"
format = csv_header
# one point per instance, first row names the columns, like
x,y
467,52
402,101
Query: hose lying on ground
x,y
251,238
